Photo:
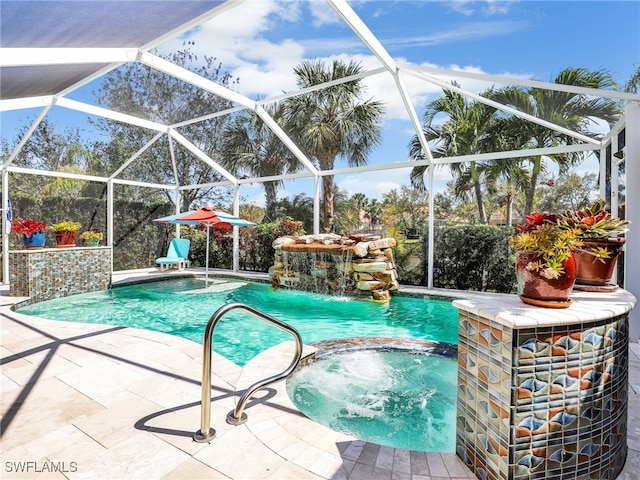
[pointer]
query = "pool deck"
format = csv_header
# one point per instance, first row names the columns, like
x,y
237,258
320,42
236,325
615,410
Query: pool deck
x,y
96,401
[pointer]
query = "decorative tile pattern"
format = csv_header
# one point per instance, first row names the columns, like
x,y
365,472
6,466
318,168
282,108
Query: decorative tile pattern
x,y
52,273
543,402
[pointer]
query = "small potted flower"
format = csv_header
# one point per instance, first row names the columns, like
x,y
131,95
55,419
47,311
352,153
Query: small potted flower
x,y
66,233
545,266
33,232
91,238
602,242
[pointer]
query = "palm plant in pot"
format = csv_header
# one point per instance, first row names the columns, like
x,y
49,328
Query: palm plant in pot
x,y
545,266
66,233
602,242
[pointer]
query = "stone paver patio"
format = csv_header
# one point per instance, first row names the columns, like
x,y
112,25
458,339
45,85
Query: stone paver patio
x,y
92,401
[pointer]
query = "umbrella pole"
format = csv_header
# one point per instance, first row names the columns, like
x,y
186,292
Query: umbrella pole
x,y
206,266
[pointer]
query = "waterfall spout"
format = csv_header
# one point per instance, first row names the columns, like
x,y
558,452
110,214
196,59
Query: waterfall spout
x,y
336,265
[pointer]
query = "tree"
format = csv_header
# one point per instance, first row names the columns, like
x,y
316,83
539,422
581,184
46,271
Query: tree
x,y
407,210
154,95
373,213
333,122
347,219
50,149
462,133
360,200
251,147
568,192
633,84
570,110
251,212
506,177
299,208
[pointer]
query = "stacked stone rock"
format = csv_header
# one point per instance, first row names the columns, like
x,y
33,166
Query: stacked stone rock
x,y
357,265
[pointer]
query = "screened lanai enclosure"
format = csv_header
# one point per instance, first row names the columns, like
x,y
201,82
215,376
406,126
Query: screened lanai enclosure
x,y
47,68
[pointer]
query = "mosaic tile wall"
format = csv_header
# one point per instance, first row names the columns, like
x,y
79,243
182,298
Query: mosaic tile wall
x,y
540,403
51,273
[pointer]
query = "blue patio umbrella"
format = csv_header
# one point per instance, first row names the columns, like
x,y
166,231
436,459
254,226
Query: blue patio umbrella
x,y
205,216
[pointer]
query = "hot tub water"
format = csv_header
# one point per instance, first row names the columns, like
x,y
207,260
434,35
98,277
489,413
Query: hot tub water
x,y
393,398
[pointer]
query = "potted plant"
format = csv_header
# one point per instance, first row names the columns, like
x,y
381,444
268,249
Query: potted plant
x,y
545,266
91,238
66,233
33,232
602,243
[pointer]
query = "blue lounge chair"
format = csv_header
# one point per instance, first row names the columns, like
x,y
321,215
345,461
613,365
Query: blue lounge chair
x,y
177,254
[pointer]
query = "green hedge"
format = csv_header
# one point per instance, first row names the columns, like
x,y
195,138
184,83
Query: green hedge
x,y
468,257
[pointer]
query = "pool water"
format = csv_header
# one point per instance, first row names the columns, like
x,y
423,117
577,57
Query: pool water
x,y
182,307
397,399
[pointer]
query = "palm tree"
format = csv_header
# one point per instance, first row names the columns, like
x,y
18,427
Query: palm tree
x,y
633,84
508,175
333,122
299,208
251,147
359,200
510,178
463,133
570,110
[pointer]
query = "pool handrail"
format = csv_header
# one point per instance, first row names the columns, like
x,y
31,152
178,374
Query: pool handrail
x,y
237,416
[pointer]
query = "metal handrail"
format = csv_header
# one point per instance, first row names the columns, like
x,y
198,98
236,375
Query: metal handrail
x,y
236,416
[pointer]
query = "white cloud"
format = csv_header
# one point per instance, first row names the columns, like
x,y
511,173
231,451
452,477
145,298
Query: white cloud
x,y
238,39
497,7
376,184
492,7
243,40
322,13
463,7
463,32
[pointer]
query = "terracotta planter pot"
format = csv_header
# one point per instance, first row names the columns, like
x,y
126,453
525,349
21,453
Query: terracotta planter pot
x,y
66,239
590,270
546,292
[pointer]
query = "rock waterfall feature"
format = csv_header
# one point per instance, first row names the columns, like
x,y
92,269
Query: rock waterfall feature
x,y
357,265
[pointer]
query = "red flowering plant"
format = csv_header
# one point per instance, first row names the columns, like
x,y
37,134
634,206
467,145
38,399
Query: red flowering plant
x,y
552,245
221,229
594,221
28,227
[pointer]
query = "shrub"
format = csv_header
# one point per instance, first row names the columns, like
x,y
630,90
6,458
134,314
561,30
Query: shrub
x,y
467,257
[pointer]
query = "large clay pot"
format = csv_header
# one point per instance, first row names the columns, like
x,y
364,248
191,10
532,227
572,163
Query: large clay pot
x,y
590,270
66,239
35,241
535,289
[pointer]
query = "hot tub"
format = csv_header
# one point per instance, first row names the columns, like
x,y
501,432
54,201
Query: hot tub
x,y
393,392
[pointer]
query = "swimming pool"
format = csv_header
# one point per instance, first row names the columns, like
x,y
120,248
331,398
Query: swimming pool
x,y
182,307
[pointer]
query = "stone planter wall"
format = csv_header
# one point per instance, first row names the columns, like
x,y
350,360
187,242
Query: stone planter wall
x,y
328,263
51,272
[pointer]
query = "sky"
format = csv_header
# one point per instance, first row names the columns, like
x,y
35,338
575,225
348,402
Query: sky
x,y
261,41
